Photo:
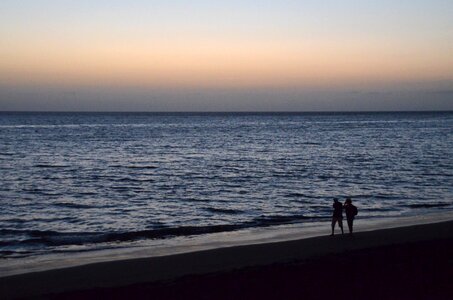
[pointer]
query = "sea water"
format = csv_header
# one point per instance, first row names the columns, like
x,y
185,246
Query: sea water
x,y
72,182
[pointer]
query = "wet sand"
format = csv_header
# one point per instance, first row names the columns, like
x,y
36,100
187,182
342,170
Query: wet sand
x,y
414,262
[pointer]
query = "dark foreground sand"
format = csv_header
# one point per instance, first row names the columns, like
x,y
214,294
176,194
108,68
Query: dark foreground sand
x,y
413,262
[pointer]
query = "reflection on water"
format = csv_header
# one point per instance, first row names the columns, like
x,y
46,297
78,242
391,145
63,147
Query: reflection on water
x,y
85,179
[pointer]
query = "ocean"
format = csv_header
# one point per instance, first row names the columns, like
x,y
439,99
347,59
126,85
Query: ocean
x,y
74,182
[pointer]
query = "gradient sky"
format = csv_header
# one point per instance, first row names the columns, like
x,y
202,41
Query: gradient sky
x,y
226,55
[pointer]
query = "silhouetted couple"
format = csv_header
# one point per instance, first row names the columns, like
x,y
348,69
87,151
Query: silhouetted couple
x,y
351,212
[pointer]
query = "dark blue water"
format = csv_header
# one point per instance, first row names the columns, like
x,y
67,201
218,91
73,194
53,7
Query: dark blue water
x,y
103,178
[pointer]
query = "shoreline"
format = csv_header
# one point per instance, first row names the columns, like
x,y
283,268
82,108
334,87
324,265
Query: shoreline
x,y
187,244
119,273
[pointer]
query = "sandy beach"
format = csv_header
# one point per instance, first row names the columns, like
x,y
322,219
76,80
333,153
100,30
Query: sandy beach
x,y
399,263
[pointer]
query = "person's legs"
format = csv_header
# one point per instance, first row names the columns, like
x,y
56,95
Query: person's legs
x,y
334,220
350,224
340,223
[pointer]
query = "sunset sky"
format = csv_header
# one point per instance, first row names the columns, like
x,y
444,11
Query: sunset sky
x,y
226,55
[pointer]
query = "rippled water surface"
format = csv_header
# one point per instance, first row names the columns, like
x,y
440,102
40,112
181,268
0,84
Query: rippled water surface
x,y
71,179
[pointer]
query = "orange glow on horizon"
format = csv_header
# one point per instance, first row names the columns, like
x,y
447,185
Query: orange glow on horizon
x,y
220,63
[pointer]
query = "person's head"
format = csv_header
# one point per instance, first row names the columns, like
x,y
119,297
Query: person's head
x,y
335,200
348,200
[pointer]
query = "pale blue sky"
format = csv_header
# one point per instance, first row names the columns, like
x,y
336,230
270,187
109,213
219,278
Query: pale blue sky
x,y
397,18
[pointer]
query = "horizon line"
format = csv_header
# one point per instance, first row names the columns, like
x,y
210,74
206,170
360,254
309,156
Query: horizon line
x,y
227,112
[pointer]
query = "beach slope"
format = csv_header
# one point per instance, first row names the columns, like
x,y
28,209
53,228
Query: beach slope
x,y
398,263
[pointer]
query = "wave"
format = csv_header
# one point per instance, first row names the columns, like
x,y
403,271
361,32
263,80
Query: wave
x,y
48,166
15,254
126,179
39,219
141,167
223,210
300,195
73,205
270,220
428,205
7,153
54,238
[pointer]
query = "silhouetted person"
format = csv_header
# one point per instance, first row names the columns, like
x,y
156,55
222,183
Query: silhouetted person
x,y
351,212
337,215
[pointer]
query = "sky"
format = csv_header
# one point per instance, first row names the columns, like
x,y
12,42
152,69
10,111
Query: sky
x,y
200,55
